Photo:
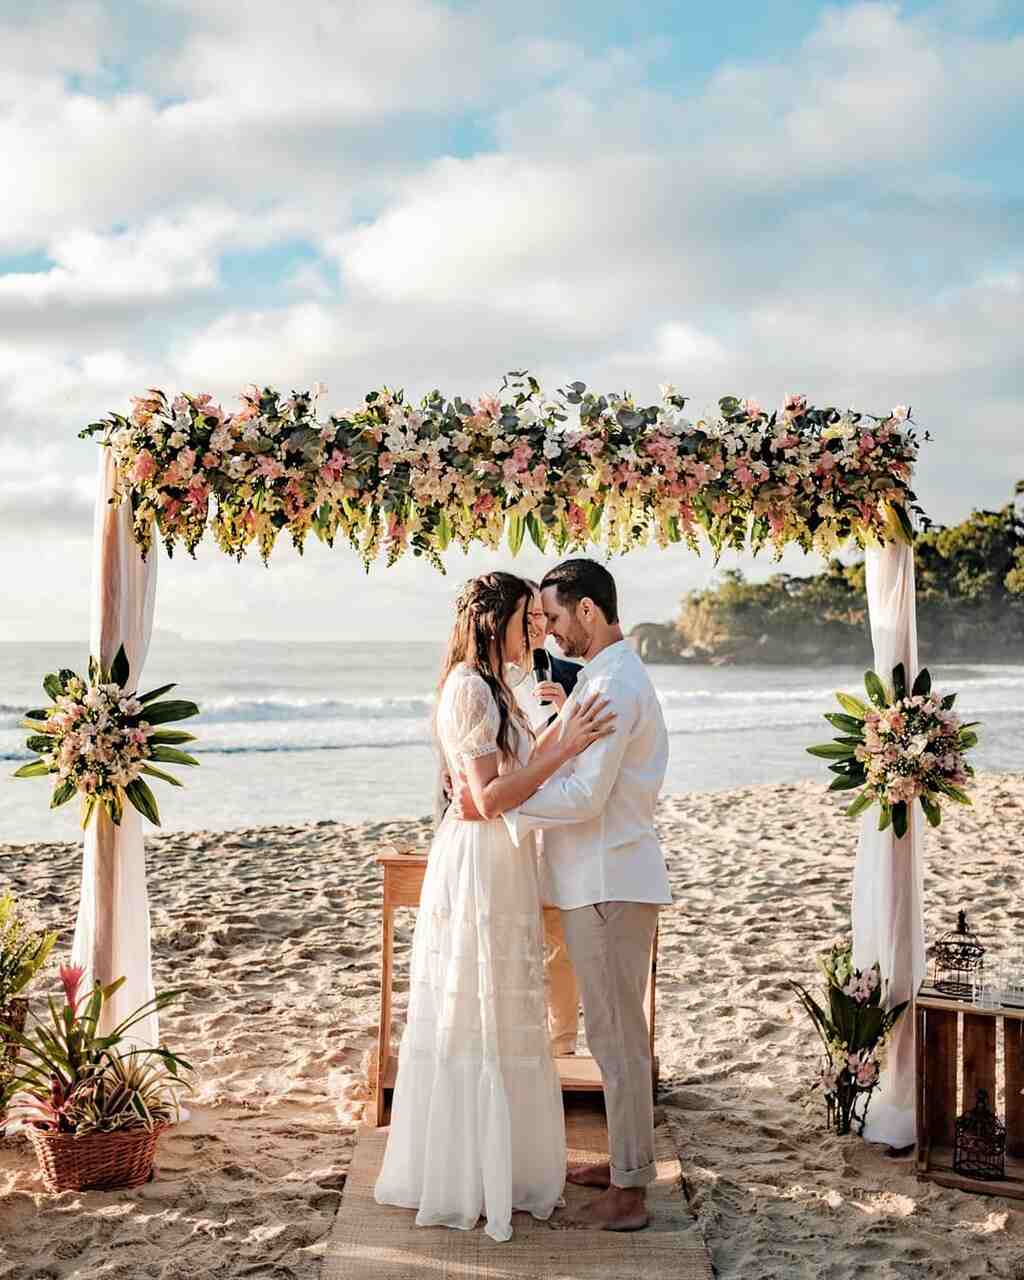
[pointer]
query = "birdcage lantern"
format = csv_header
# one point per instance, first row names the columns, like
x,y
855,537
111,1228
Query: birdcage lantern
x,y
959,956
979,1149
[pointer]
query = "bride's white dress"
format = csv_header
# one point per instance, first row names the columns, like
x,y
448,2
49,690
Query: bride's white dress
x,y
477,1126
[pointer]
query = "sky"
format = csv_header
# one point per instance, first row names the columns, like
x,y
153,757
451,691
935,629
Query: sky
x,y
749,199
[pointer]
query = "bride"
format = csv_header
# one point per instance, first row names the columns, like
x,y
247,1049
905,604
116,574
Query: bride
x,y
477,1126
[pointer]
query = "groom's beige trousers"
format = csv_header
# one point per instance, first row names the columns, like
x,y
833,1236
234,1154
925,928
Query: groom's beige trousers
x,y
610,947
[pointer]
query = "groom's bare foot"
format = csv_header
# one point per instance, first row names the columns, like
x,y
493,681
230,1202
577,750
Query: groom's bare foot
x,y
617,1209
589,1175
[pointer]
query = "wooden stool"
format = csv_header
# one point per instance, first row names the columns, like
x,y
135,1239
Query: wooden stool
x,y
940,1063
403,882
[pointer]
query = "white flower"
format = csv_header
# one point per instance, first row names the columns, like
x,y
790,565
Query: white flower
x,y
178,440
900,413
666,389
552,448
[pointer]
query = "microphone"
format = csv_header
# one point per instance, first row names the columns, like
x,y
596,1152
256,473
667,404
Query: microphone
x,y
541,669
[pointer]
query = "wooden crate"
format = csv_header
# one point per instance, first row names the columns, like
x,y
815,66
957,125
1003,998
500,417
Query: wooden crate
x,y
402,883
956,1056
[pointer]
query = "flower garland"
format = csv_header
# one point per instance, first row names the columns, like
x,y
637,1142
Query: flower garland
x,y
573,470
903,746
99,739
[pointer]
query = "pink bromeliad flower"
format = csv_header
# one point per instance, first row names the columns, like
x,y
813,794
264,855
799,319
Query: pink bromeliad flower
x,y
71,977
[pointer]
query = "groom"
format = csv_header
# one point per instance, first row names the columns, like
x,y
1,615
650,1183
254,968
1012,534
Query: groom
x,y
604,869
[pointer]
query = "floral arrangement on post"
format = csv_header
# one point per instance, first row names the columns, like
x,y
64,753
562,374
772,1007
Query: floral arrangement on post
x,y
24,949
74,1084
571,470
900,747
854,1030
99,738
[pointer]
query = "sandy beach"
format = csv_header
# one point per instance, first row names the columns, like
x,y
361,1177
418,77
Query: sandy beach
x,y
272,934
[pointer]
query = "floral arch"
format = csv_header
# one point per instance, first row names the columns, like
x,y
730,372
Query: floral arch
x,y
575,470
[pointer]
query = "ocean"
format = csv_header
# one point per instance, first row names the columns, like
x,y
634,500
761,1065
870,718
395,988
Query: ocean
x,y
294,733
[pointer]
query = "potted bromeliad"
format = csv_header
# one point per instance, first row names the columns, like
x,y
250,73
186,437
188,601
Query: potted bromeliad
x,y
854,1024
93,1106
24,949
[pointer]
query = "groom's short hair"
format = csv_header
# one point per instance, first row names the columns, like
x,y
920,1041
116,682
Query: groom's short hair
x,y
576,580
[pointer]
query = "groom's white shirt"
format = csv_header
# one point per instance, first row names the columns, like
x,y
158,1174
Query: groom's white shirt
x,y
597,812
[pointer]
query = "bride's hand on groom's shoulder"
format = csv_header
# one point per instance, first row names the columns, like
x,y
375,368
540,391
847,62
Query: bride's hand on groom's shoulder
x,y
588,722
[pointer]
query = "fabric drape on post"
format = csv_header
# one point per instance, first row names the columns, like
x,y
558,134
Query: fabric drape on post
x,y
112,933
888,898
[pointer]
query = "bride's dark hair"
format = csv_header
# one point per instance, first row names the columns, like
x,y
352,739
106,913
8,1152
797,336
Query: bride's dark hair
x,y
482,613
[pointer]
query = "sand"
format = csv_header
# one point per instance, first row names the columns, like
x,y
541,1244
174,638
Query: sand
x,y
273,936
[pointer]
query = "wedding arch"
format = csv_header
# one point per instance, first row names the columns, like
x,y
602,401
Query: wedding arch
x,y
575,470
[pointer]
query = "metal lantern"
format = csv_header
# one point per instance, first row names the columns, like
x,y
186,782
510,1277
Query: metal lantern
x,y
958,957
979,1149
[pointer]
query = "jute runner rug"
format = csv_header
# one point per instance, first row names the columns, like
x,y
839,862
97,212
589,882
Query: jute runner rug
x,y
372,1242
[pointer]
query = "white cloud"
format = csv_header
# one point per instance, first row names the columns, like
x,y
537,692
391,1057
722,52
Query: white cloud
x,y
798,223
158,260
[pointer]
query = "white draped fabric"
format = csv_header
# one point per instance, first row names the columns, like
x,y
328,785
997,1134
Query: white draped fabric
x,y
112,933
888,899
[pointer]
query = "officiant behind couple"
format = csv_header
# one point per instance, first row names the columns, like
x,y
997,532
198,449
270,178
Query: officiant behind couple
x,y
477,1125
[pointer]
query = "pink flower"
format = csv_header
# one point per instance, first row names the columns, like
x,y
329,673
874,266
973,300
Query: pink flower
x,y
269,467
795,404
490,406
71,976
484,504
867,442
145,466
751,408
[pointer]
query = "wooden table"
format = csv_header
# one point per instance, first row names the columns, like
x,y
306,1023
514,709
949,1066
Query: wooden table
x,y
403,881
946,1051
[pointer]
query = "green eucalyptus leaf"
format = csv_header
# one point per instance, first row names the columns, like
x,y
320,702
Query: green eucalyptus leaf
x,y
62,794
831,751
857,709
923,683
864,801
847,724
165,712
120,670
876,690
153,772
156,693
34,769
143,799
932,811
171,755
515,532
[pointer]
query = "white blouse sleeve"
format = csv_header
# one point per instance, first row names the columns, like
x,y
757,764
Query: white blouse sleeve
x,y
474,718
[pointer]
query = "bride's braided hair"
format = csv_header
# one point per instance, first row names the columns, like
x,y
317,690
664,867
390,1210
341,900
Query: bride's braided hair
x,y
483,609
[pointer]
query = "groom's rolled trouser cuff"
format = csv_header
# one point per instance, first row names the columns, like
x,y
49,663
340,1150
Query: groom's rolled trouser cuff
x,y
634,1177
610,947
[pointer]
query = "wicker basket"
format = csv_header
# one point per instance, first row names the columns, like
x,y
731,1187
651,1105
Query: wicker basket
x,y
97,1161
13,1014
